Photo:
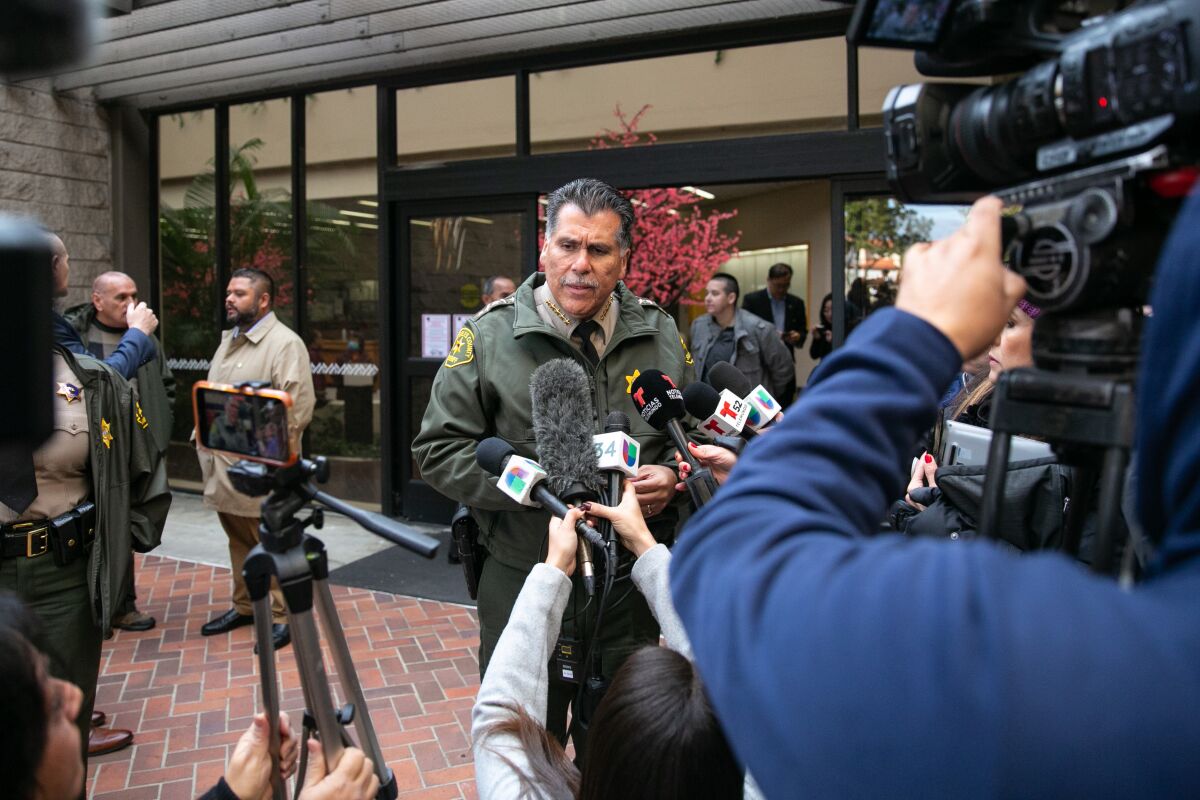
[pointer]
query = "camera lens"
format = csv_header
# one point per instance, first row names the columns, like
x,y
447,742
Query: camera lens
x,y
996,130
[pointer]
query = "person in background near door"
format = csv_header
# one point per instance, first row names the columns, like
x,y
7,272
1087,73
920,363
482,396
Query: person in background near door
x,y
749,342
496,288
258,348
101,324
787,311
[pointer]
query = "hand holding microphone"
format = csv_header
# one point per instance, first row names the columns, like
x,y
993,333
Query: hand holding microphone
x,y
562,543
627,521
717,460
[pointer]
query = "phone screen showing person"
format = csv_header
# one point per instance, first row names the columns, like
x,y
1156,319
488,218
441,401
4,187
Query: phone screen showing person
x,y
249,423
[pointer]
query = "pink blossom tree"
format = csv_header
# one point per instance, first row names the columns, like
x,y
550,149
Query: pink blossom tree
x,y
677,246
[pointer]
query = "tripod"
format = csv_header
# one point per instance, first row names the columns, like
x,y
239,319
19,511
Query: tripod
x,y
300,565
1087,414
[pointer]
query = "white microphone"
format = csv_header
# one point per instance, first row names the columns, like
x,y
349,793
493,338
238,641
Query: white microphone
x,y
518,478
617,451
763,407
723,414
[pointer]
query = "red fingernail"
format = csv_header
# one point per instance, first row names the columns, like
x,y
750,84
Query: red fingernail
x,y
585,507
928,458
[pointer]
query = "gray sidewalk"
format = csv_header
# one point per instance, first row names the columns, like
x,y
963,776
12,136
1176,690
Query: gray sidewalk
x,y
194,534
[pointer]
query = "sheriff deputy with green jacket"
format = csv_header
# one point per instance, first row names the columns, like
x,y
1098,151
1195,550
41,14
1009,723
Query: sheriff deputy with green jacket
x,y
92,491
101,325
578,308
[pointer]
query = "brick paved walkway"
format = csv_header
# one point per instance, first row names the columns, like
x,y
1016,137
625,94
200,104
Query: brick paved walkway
x,y
188,698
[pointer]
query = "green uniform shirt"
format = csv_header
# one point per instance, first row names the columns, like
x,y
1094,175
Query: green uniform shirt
x,y
482,390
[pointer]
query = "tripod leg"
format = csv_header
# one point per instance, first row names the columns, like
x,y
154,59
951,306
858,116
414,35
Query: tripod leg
x,y
1081,500
258,587
307,648
993,484
351,687
1112,480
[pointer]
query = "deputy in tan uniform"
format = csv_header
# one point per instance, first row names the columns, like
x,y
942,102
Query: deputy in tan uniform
x,y
258,348
69,513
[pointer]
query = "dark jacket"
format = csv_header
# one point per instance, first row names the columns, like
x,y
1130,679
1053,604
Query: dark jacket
x,y
758,353
482,390
155,381
1031,517
846,664
136,348
129,483
795,318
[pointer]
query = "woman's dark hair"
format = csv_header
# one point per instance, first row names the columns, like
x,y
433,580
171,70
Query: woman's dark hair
x,y
23,698
974,395
655,735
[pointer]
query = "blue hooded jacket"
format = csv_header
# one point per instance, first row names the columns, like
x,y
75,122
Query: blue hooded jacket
x,y
844,664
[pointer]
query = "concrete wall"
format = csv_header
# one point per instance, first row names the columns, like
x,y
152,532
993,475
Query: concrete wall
x,y
55,169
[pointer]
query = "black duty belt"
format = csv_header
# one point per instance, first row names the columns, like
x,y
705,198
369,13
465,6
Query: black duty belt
x,y
66,536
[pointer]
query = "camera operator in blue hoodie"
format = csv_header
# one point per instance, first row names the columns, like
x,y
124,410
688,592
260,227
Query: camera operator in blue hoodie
x,y
844,664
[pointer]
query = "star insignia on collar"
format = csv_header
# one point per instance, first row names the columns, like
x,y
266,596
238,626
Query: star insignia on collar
x,y
629,379
69,391
105,432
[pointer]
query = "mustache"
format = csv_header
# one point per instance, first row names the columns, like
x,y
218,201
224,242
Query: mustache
x,y
586,283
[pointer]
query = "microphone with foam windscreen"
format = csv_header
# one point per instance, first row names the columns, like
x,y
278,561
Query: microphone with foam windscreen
x,y
563,415
721,413
660,403
763,407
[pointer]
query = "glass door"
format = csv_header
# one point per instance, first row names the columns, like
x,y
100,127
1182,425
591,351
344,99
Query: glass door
x,y
450,255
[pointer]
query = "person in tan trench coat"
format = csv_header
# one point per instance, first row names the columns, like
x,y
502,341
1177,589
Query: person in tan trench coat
x,y
257,348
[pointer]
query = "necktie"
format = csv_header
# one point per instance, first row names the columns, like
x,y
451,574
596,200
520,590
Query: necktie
x,y
18,486
583,337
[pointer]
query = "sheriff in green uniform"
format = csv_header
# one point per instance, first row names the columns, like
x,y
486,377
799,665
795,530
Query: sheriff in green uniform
x,y
577,308
96,488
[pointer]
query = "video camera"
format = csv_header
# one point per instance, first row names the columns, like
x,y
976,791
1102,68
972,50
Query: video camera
x,y
1092,147
1094,142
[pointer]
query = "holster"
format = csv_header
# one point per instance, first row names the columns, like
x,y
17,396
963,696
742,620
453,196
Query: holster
x,y
72,532
464,536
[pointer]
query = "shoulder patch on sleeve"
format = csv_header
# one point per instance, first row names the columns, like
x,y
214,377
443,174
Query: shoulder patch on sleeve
x,y
463,351
687,354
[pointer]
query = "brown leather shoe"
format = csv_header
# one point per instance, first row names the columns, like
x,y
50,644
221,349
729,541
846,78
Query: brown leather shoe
x,y
98,719
108,740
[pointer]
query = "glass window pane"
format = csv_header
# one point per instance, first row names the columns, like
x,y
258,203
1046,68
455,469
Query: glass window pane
x,y
260,195
456,121
342,285
750,91
187,272
452,257
878,232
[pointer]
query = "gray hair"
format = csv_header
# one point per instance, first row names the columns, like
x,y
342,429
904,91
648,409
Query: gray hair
x,y
592,196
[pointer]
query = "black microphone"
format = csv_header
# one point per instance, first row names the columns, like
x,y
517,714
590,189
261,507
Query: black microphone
x,y
723,414
764,409
660,403
524,481
563,420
